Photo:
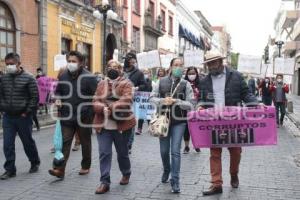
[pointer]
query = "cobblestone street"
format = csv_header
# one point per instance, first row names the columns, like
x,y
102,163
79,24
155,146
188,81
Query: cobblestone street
x,y
265,173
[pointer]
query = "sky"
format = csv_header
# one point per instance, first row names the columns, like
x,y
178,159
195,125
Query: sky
x,y
249,22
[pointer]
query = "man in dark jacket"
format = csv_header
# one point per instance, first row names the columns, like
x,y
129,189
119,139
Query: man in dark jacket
x,y
137,78
223,87
75,90
19,98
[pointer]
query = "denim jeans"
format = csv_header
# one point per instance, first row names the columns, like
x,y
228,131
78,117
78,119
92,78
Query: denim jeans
x,y
105,140
172,142
22,126
280,106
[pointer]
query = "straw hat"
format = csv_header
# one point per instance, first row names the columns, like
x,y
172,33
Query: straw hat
x,y
212,56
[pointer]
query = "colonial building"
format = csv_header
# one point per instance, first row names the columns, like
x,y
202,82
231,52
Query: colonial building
x,y
20,32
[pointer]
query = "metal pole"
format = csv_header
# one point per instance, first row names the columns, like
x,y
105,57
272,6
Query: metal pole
x,y
279,49
104,44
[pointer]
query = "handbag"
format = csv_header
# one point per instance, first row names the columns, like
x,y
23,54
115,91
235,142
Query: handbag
x,y
159,125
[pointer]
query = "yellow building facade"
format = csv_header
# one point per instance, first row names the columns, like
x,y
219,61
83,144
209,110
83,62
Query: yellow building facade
x,y
72,27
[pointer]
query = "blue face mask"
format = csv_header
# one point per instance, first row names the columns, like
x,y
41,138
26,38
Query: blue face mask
x,y
177,72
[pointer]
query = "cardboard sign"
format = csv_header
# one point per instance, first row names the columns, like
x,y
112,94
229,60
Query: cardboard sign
x,y
284,66
266,70
46,86
249,64
149,59
142,108
166,60
193,58
233,127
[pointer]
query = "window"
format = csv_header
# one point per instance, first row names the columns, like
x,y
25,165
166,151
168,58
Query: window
x,y
136,6
65,46
170,25
152,11
163,19
86,51
7,32
136,39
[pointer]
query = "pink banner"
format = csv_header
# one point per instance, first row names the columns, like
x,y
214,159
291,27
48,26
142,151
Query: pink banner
x,y
46,86
233,127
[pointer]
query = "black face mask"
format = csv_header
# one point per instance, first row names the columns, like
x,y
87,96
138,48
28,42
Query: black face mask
x,y
112,74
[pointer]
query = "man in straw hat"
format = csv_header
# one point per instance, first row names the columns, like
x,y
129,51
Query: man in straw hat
x,y
223,86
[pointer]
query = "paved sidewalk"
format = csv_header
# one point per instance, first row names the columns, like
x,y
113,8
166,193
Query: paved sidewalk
x,y
295,115
265,173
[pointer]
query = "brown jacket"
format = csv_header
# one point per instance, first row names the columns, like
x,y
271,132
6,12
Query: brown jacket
x,y
122,90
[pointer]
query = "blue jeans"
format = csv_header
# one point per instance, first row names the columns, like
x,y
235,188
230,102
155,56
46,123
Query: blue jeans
x,y
105,140
173,142
22,126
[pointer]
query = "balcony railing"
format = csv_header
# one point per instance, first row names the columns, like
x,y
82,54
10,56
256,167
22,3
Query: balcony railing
x,y
289,18
296,32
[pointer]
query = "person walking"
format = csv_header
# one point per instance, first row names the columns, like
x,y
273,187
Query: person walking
x,y
75,90
178,104
137,78
146,88
279,91
113,122
266,93
223,87
192,76
18,100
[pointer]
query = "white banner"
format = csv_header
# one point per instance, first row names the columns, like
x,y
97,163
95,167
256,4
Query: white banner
x,y
166,60
60,61
284,66
193,58
149,59
249,64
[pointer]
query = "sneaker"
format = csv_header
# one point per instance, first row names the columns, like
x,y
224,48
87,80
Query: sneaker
x,y
197,150
52,150
175,187
138,132
186,150
7,175
165,177
76,147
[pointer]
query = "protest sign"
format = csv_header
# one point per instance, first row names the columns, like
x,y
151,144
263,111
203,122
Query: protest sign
x,y
193,58
284,66
142,108
46,86
60,61
266,70
166,60
233,127
149,59
249,64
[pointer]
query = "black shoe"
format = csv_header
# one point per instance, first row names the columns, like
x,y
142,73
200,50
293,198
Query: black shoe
x,y
175,188
7,175
165,177
34,168
281,123
197,150
129,149
234,181
186,150
38,128
212,191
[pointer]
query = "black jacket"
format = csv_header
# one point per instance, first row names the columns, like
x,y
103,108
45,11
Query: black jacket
x,y
137,78
236,90
19,93
147,87
83,89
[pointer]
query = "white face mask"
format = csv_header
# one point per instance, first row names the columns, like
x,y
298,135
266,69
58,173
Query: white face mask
x,y
146,76
192,77
72,67
279,80
11,69
267,80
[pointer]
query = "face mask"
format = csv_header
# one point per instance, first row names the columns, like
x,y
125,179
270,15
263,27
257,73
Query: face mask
x,y
279,80
146,76
192,77
112,74
177,72
11,69
267,80
72,67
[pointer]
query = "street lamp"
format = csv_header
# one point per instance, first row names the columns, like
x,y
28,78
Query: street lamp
x,y
279,45
103,12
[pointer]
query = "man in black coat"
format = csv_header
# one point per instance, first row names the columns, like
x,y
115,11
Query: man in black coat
x,y
18,100
137,78
223,87
75,90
